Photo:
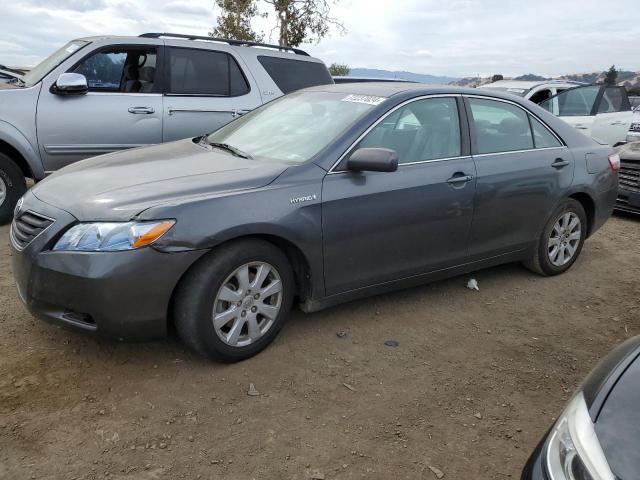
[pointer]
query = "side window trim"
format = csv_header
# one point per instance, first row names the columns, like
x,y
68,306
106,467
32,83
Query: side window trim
x,y
158,86
465,150
474,148
167,74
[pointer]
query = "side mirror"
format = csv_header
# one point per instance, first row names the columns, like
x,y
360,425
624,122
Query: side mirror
x,y
70,84
373,160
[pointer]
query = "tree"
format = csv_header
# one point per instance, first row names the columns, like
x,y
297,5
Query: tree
x,y
234,21
339,69
611,78
300,21
497,77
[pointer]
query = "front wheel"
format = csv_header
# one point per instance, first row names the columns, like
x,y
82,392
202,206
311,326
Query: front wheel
x,y
561,240
12,187
234,301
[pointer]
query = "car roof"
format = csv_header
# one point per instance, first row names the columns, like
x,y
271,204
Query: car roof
x,y
388,89
527,84
194,41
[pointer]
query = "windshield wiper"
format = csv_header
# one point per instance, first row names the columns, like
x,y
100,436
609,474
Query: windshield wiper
x,y
229,148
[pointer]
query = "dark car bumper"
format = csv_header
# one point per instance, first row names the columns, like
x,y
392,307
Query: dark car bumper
x,y
534,468
121,295
628,200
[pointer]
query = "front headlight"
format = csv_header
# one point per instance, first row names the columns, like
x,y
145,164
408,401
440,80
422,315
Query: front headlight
x,y
573,450
112,236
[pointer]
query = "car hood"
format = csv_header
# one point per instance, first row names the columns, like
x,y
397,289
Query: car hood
x,y
618,424
118,186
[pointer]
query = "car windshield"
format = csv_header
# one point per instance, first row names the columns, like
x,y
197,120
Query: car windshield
x,y
521,92
295,127
38,72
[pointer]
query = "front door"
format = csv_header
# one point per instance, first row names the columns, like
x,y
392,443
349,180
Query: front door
x,y
122,109
380,227
206,89
523,170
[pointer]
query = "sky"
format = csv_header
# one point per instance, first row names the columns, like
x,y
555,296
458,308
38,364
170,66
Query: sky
x,y
440,37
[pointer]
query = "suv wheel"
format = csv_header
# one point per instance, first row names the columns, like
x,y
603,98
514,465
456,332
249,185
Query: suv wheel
x,y
234,301
12,187
561,240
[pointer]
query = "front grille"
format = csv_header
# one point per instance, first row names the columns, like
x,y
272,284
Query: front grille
x,y
629,175
635,127
27,226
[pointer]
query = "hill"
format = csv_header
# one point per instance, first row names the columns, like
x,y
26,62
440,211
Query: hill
x,y
630,80
409,76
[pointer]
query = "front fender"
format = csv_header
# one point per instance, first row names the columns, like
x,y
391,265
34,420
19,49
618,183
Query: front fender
x,y
13,137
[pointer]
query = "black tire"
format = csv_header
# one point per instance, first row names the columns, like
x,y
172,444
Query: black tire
x,y
15,186
193,304
540,262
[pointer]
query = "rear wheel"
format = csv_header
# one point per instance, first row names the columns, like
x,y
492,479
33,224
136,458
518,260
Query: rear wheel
x,y
561,240
12,187
233,303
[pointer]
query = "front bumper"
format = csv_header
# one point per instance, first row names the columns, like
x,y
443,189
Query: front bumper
x,y
534,468
121,295
628,200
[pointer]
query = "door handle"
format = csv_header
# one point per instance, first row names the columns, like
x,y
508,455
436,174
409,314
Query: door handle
x,y
559,163
459,178
238,113
617,122
579,126
141,110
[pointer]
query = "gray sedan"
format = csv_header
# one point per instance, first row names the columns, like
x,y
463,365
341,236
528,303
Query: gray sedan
x,y
320,197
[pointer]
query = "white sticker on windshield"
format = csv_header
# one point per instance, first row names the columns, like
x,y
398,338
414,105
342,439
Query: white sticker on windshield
x,y
72,48
516,90
368,99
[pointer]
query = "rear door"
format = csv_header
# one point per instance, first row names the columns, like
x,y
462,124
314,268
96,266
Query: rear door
x,y
380,227
523,169
614,116
205,89
122,109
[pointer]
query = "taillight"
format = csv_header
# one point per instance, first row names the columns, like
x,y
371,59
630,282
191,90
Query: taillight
x,y
614,161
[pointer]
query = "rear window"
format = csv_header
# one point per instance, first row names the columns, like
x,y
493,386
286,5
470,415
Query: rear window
x,y
205,72
290,75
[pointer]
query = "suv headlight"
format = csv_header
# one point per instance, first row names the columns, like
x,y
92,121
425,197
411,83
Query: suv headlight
x,y
112,236
573,451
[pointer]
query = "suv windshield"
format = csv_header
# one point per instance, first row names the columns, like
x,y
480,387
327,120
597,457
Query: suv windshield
x,y
38,72
295,127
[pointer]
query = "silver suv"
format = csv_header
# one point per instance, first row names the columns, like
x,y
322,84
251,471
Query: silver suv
x,y
104,94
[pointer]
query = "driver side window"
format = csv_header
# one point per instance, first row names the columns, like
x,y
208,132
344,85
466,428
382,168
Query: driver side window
x,y
130,70
422,130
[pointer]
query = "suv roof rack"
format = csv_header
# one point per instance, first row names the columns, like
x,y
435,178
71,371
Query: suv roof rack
x,y
237,43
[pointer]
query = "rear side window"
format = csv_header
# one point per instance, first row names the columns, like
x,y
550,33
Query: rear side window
x,y
500,127
422,130
205,72
290,75
542,137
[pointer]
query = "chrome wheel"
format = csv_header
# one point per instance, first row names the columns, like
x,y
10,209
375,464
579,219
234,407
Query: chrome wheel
x,y
3,191
247,304
564,239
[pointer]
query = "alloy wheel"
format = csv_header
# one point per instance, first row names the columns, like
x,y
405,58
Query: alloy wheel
x,y
3,191
247,304
564,239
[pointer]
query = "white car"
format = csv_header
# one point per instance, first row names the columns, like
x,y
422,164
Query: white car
x,y
536,91
599,111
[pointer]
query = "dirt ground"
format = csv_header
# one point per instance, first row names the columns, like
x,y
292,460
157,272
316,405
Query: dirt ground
x,y
475,381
